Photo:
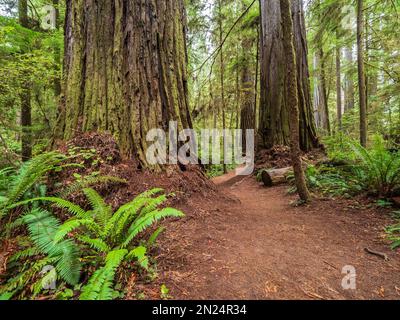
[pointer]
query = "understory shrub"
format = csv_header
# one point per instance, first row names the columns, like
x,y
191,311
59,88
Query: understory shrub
x,y
353,169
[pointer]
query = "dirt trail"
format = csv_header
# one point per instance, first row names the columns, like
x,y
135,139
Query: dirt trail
x,y
253,244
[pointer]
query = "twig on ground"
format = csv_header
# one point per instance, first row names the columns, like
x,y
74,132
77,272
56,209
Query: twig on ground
x,y
384,256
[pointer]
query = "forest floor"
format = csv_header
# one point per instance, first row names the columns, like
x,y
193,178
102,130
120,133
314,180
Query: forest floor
x,y
251,242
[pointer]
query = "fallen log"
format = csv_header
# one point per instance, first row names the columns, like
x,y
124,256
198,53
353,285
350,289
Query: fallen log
x,y
275,177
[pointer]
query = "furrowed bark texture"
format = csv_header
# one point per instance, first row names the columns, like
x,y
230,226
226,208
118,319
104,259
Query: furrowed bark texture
x,y
274,112
293,99
247,99
125,69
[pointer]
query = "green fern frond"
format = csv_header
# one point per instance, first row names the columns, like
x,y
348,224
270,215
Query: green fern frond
x,y
31,172
101,282
128,215
71,225
96,244
147,220
58,202
154,203
22,279
144,195
96,200
42,228
140,254
153,238
88,182
9,227
24,254
127,212
102,211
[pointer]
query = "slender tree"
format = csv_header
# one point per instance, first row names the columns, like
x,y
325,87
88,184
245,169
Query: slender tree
x,y
25,95
321,99
222,74
349,86
57,53
361,73
125,70
339,87
292,98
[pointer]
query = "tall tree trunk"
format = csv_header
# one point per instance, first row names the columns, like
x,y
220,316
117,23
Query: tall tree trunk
x,y
339,87
237,89
256,82
321,101
361,73
125,69
349,90
25,95
222,75
57,54
274,114
247,88
317,95
292,99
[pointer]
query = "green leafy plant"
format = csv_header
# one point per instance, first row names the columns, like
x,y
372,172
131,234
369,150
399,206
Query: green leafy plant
x,y
64,255
14,185
394,235
332,181
378,168
43,228
113,235
88,181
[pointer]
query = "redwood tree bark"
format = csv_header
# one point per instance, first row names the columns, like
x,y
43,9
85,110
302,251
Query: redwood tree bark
x,y
292,97
125,69
274,113
247,92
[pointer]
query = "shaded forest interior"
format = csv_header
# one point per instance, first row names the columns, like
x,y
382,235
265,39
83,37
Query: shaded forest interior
x,y
84,83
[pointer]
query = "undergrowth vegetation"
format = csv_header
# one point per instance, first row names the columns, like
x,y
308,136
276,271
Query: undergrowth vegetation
x,y
352,169
65,250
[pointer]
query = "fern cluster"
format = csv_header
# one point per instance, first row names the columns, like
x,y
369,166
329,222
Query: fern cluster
x,y
394,235
98,237
110,237
15,184
378,168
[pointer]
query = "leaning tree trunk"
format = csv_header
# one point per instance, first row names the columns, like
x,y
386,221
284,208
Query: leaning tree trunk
x,y
125,69
274,112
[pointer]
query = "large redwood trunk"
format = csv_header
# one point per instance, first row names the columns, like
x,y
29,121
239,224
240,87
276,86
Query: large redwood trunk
x,y
125,69
274,112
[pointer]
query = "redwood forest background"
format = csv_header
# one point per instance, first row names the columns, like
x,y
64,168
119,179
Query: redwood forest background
x,y
83,82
